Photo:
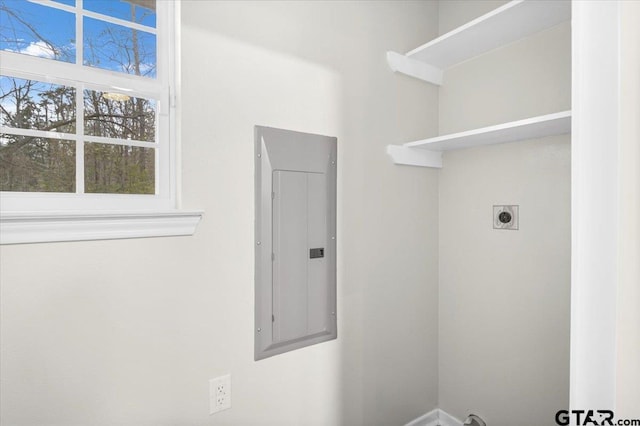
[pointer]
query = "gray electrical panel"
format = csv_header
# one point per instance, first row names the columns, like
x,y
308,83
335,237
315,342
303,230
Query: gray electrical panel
x,y
295,282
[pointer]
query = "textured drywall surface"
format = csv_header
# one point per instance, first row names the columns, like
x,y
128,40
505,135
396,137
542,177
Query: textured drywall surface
x,y
130,332
504,295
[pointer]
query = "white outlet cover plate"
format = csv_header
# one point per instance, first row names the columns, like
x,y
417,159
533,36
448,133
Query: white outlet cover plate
x,y
513,210
219,394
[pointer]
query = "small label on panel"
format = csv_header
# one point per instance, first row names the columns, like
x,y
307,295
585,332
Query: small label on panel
x,y
315,253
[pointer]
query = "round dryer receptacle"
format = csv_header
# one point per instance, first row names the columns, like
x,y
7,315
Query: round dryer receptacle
x,y
505,217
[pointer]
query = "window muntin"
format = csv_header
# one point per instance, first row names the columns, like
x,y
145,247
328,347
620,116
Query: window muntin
x,y
132,154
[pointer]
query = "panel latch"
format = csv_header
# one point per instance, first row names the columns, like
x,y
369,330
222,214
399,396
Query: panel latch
x,y
315,253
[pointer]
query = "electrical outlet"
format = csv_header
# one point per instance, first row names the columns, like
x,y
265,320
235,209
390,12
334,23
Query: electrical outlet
x,y
219,394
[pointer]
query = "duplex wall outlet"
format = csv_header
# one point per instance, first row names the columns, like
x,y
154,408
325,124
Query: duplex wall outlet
x,y
219,394
506,217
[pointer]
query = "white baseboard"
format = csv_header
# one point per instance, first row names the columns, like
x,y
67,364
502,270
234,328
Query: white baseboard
x,y
435,417
429,419
447,419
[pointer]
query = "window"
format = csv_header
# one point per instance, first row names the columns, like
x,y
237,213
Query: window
x,y
86,116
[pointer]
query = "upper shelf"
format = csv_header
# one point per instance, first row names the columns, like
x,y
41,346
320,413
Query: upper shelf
x,y
513,21
426,152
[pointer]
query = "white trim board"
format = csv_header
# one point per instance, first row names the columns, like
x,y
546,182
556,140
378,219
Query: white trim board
x,y
20,228
429,419
595,169
436,417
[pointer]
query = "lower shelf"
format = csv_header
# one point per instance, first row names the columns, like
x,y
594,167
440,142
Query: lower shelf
x,y
428,152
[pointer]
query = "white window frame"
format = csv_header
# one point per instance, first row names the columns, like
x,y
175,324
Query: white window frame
x,y
27,217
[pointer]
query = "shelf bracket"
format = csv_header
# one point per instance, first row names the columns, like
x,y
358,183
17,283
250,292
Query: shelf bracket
x,y
415,156
414,68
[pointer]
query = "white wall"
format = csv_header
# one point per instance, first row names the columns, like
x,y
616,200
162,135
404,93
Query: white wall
x,y
129,332
504,295
628,309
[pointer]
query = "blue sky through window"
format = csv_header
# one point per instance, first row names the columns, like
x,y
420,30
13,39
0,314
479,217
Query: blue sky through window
x,y
37,30
114,47
123,10
42,31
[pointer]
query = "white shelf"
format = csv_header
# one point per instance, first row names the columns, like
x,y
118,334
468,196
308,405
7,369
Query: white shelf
x,y
531,128
413,153
513,21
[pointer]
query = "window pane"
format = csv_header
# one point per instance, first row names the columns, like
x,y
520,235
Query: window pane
x,y
37,30
118,48
114,115
30,104
29,164
140,11
67,2
116,169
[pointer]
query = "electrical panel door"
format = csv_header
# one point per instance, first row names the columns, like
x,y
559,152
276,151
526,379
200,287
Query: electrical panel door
x,y
295,240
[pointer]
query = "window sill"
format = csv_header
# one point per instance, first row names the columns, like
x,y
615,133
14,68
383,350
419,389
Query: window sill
x,y
28,227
